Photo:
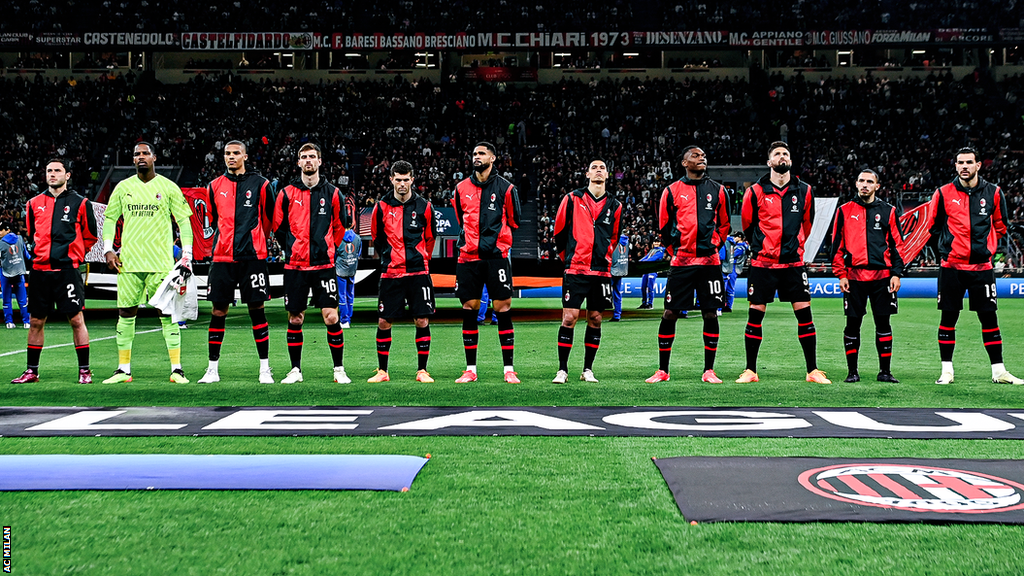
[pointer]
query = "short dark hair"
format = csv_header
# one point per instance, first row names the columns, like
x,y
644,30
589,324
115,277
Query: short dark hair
x,y
489,147
401,167
237,143
152,149
878,179
777,144
688,148
967,150
60,161
592,160
310,146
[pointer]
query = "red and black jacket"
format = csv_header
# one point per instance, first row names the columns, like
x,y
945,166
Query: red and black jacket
x,y
693,217
241,208
487,213
968,223
867,241
587,232
62,229
777,221
308,224
403,235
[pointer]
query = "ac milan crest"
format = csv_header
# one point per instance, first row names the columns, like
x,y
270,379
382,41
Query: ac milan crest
x,y
914,488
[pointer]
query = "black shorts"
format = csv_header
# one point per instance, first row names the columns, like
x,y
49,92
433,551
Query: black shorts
x,y
60,289
299,283
417,291
596,290
684,281
980,286
883,302
470,278
791,284
250,277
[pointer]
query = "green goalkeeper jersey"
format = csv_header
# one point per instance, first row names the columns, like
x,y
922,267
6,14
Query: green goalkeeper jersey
x,y
147,239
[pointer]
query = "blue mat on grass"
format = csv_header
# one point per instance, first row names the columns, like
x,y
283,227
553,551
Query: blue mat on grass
x,y
208,472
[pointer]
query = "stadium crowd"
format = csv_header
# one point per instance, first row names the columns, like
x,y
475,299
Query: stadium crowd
x,y
540,15
904,129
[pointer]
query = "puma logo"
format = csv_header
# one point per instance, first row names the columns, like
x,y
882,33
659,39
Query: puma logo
x,y
224,194
855,217
685,197
299,202
957,201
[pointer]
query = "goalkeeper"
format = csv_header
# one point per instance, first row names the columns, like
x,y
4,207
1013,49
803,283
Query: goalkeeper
x,y
145,205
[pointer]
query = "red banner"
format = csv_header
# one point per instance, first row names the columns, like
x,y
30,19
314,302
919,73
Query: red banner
x,y
915,224
202,227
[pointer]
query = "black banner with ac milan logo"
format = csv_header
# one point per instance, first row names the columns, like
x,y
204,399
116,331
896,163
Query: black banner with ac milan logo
x,y
744,489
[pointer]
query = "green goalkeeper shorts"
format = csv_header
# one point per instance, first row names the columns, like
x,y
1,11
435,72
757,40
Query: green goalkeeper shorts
x,y
135,288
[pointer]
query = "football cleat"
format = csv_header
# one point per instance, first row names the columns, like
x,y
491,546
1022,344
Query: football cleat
x,y
747,376
588,376
379,376
1006,378
511,377
10,325
659,376
467,376
561,377
266,376
26,377
26,326
887,377
292,377
423,376
855,377
817,376
340,377
710,376
118,377
345,325
84,376
178,376
211,375
945,378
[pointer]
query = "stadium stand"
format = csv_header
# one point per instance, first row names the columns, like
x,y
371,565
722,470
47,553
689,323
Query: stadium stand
x,y
904,129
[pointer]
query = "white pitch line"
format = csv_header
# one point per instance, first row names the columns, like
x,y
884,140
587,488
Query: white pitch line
x,y
91,340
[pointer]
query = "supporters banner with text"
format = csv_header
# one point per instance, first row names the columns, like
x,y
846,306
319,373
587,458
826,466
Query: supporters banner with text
x,y
497,40
753,489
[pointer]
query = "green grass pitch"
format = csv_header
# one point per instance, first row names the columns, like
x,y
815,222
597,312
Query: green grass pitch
x,y
508,505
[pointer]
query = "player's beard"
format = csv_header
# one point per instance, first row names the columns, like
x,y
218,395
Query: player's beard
x,y
781,168
481,167
309,171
